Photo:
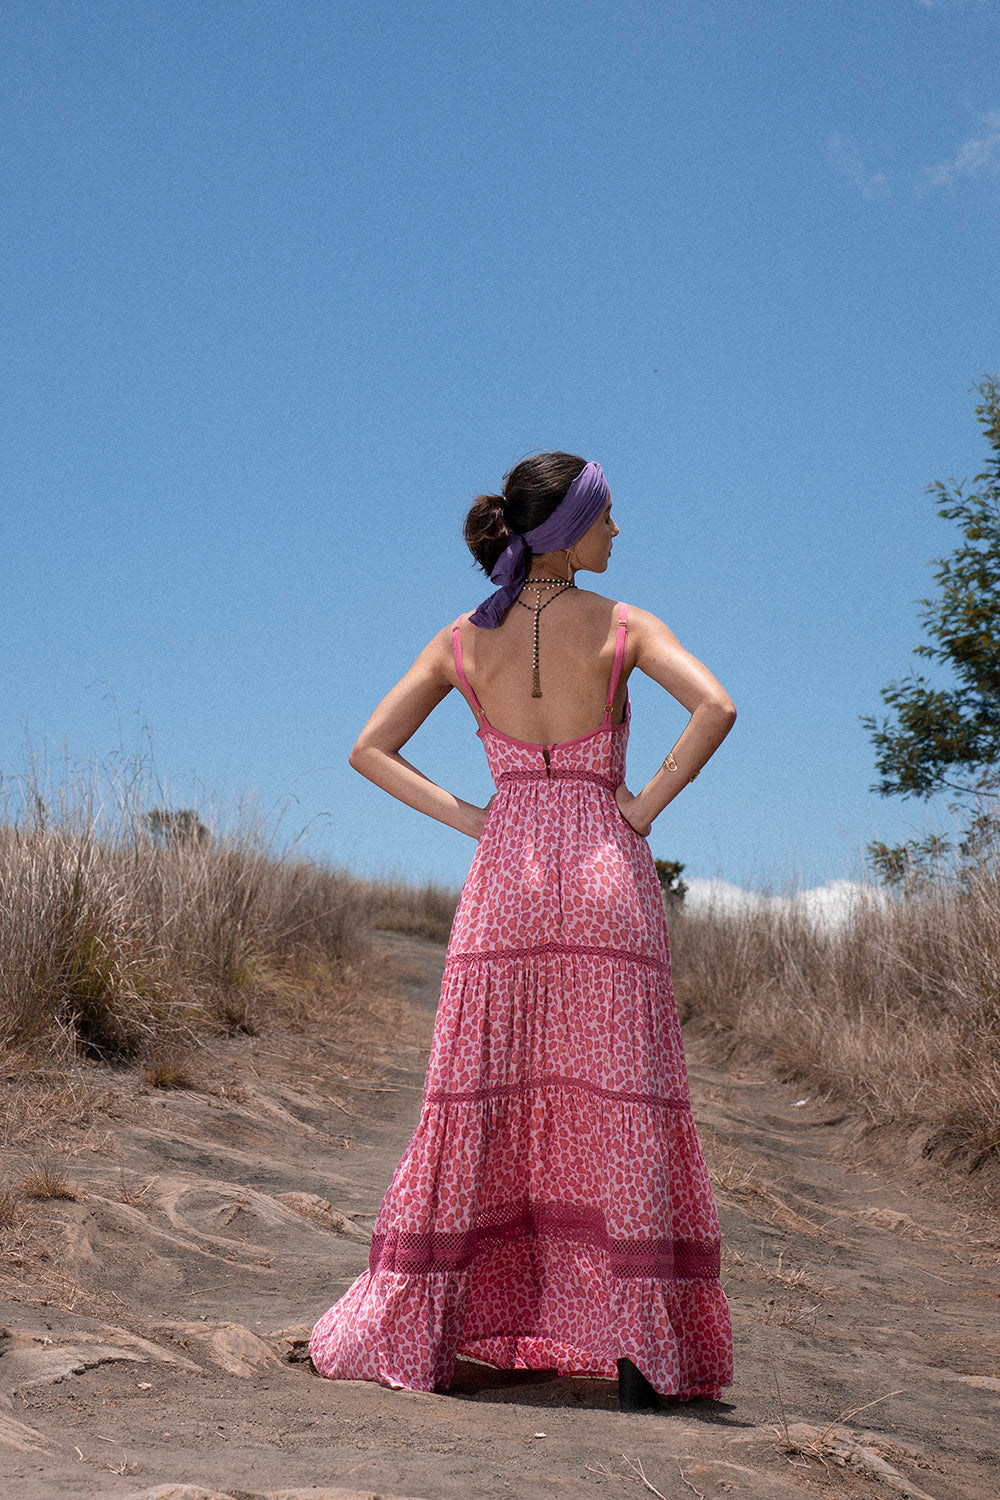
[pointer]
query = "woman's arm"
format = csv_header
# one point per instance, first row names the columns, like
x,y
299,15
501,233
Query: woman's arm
x,y
397,718
661,656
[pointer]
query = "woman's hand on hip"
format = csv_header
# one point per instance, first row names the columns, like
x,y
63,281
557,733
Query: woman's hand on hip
x,y
628,809
479,820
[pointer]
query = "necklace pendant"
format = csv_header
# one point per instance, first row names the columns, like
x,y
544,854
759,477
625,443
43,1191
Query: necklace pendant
x,y
559,586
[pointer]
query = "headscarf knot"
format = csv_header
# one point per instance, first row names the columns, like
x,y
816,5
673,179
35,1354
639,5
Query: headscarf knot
x,y
576,512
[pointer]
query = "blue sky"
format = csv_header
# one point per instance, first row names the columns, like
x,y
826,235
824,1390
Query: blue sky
x,y
287,284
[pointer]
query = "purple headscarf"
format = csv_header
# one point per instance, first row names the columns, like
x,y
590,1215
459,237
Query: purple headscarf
x,y
575,514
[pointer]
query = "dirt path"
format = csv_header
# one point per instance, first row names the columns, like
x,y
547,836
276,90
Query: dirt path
x,y
148,1320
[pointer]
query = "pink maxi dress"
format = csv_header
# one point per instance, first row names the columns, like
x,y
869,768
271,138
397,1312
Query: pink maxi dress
x,y
553,1209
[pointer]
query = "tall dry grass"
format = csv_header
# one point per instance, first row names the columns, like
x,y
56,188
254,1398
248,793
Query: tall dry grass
x,y
426,910
896,1009
124,927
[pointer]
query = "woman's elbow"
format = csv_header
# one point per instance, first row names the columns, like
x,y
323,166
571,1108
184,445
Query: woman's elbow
x,y
358,758
723,711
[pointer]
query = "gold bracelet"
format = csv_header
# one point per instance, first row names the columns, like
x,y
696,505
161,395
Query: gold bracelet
x,y
671,765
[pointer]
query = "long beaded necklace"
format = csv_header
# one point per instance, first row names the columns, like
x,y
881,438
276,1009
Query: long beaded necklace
x,y
559,585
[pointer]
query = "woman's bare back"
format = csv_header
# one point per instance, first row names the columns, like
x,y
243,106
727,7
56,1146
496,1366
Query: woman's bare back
x,y
577,632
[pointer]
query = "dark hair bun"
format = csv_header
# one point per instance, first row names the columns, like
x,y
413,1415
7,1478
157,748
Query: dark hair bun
x,y
531,492
486,531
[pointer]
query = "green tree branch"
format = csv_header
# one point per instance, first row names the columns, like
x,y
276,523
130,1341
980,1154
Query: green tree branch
x,y
936,739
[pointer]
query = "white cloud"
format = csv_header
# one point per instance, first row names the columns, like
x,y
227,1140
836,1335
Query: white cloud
x,y
830,906
978,155
719,895
844,154
981,153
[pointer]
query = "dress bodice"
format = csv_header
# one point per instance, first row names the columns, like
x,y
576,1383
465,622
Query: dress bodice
x,y
598,756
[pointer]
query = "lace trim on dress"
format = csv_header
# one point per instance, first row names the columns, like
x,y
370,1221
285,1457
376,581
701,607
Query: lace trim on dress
x,y
661,1259
556,775
507,1090
561,950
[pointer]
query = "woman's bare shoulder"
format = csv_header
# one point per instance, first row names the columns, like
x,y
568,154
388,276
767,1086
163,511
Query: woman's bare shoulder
x,y
648,637
599,606
644,622
590,595
436,660
640,617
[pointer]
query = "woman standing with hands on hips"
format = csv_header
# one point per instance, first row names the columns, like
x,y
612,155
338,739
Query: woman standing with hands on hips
x,y
552,1209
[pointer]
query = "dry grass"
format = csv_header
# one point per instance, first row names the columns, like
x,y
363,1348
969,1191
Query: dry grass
x,y
44,1180
12,1216
424,910
130,1195
896,1011
238,1012
637,1475
126,928
169,1070
792,1278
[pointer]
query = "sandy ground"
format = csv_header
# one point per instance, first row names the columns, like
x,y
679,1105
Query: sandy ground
x,y
153,1322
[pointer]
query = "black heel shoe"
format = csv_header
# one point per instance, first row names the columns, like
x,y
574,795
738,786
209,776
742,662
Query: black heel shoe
x,y
634,1391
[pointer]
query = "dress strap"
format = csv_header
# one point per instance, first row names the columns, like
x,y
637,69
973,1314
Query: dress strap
x,y
456,647
621,641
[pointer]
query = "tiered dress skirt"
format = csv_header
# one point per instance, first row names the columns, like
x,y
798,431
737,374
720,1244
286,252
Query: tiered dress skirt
x,y
552,1209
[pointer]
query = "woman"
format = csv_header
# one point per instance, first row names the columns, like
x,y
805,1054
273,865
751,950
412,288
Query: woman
x,y
552,1210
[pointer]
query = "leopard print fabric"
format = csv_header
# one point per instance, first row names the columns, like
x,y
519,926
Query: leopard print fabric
x,y
552,1210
